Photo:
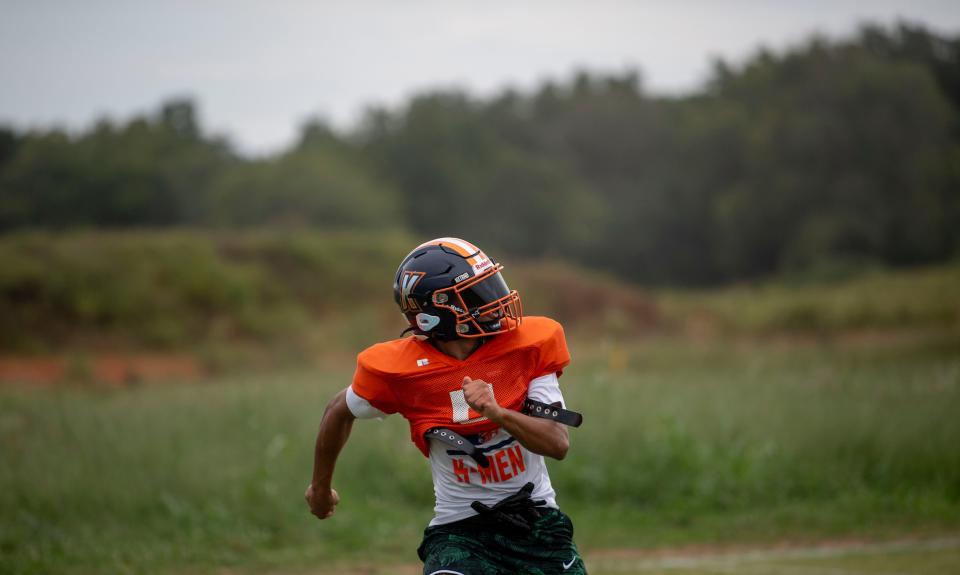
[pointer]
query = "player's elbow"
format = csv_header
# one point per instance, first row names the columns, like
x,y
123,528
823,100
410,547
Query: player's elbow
x,y
563,446
560,445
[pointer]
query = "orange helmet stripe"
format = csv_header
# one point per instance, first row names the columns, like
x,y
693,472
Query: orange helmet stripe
x,y
462,247
477,259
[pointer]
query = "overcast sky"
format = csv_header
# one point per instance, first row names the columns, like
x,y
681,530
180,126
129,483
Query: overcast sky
x,y
258,69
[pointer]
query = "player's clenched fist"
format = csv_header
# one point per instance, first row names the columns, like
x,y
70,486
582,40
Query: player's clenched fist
x,y
321,501
479,397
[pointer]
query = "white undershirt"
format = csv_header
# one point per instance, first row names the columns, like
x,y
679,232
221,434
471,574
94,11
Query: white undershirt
x,y
457,480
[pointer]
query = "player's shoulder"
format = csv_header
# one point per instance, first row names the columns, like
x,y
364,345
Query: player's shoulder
x,y
543,338
536,331
392,358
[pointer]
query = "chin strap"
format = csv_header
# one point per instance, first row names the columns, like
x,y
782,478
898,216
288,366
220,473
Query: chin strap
x,y
536,408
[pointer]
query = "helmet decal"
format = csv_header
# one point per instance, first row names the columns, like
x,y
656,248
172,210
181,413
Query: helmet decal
x,y
481,263
407,283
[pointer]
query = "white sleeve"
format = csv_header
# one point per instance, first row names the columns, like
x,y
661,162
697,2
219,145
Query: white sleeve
x,y
546,389
361,408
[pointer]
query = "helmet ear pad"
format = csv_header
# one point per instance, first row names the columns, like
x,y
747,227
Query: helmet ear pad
x,y
426,321
433,323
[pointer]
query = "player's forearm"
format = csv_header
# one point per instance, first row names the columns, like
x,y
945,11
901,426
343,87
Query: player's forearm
x,y
540,436
334,431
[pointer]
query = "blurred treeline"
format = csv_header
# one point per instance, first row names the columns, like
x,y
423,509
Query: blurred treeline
x,y
834,155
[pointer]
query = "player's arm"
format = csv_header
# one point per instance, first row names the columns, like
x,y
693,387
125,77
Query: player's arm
x,y
540,436
334,431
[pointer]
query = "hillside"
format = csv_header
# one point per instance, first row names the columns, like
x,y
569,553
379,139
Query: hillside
x,y
230,299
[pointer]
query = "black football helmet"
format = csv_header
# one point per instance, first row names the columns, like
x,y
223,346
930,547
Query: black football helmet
x,y
447,288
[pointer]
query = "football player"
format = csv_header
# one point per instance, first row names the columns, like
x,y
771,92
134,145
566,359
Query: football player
x,y
478,384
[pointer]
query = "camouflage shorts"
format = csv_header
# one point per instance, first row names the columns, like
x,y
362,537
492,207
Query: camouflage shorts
x,y
471,548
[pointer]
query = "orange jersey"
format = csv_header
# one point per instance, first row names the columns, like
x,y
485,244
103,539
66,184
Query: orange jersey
x,y
411,377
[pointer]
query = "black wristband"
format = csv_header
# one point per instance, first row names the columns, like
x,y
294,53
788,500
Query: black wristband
x,y
536,408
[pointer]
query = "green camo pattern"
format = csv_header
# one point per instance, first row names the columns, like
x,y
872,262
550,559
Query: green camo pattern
x,y
468,548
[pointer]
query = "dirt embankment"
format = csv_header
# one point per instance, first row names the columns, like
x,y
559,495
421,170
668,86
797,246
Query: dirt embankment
x,y
108,369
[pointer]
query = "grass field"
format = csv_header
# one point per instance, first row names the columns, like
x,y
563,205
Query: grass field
x,y
682,444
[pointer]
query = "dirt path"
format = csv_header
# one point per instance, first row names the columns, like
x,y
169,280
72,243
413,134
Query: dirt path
x,y
737,559
109,369
705,559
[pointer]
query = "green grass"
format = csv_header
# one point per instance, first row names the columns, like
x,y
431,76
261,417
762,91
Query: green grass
x,y
681,444
919,298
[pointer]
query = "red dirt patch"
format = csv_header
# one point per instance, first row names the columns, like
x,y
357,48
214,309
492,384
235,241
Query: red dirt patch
x,y
116,370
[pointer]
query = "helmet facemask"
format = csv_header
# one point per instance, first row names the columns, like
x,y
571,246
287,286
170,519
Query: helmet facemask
x,y
483,304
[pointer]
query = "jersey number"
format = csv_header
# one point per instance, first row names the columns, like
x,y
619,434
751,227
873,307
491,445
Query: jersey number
x,y
461,410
